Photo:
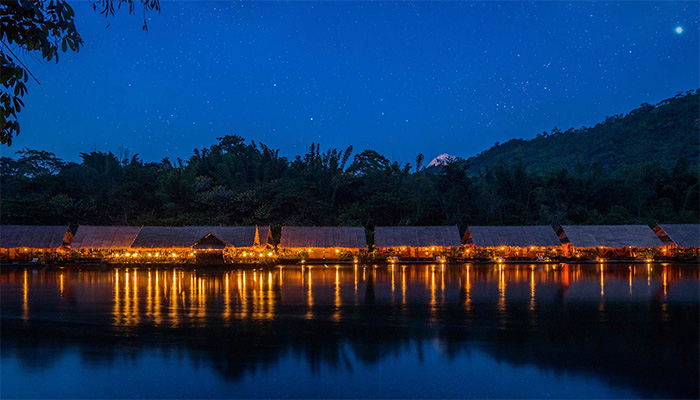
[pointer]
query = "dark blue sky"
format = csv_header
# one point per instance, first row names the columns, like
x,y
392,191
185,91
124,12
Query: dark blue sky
x,y
401,78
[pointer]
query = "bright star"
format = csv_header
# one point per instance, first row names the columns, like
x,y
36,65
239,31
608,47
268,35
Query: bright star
x,y
679,30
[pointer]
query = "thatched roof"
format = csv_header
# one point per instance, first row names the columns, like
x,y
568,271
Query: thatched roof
x,y
416,236
512,236
264,235
34,236
609,236
682,235
349,237
104,237
153,237
242,236
159,237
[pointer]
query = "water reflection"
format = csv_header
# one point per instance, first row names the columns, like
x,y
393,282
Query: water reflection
x,y
634,327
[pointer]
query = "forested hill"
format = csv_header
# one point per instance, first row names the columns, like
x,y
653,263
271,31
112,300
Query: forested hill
x,y
659,133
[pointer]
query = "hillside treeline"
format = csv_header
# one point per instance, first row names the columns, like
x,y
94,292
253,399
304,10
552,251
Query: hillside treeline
x,y
660,132
235,182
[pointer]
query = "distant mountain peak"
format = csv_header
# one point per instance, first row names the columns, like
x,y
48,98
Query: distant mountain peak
x,y
442,159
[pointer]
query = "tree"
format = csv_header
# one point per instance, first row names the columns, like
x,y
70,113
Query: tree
x,y
367,162
41,28
419,161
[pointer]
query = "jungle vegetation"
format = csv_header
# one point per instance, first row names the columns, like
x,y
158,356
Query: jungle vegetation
x,y
236,182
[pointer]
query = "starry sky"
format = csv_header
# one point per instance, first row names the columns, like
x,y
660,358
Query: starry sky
x,y
401,78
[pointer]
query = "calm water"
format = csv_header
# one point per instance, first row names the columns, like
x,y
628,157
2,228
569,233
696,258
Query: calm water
x,y
414,331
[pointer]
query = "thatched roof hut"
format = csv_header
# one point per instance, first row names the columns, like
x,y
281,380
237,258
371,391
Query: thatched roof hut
x,y
682,235
512,236
346,237
154,237
104,237
34,236
614,236
242,236
416,236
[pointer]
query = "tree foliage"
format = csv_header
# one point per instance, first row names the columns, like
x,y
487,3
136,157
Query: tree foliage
x,y
236,182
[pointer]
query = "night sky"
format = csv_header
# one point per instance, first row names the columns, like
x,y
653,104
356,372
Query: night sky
x,y
401,78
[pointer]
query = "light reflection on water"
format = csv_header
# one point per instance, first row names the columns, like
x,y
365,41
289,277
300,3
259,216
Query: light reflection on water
x,y
603,325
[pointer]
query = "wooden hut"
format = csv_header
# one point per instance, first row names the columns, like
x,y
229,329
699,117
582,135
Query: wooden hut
x,y
187,241
240,237
514,242
679,238
324,242
23,242
416,242
608,241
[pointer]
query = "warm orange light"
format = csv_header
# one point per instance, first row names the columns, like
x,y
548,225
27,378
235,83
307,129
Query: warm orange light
x,y
128,254
269,254
503,248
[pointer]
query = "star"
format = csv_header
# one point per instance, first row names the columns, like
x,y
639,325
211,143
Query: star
x,y
679,30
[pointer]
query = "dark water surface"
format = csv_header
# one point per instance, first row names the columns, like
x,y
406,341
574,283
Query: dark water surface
x,y
409,331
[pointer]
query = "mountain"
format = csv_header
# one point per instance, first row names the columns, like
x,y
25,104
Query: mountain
x,y
442,159
660,133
